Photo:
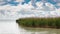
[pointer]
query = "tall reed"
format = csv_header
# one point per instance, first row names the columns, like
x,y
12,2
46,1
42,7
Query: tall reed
x,y
40,22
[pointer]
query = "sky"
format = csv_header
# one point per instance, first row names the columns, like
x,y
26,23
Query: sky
x,y
14,2
10,9
56,3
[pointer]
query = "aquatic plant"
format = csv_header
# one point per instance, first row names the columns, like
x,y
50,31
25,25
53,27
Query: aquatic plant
x,y
40,22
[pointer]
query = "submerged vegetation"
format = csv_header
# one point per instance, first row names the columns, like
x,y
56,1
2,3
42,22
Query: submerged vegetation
x,y
40,22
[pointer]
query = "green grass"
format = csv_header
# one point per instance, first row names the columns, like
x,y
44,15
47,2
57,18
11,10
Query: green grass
x,y
39,22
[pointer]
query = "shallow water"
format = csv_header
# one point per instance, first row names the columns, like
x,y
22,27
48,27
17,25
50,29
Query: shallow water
x,y
11,27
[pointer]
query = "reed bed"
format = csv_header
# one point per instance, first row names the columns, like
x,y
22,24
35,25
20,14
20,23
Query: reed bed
x,y
39,22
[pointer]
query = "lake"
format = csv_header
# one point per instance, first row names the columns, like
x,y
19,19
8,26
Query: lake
x,y
11,27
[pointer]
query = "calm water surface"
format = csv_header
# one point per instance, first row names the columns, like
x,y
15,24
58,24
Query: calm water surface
x,y
11,27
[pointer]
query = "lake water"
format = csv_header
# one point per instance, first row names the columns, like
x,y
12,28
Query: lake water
x,y
11,27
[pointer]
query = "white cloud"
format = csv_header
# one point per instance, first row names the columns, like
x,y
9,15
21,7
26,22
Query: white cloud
x,y
19,0
51,6
2,2
48,6
39,4
14,12
58,4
